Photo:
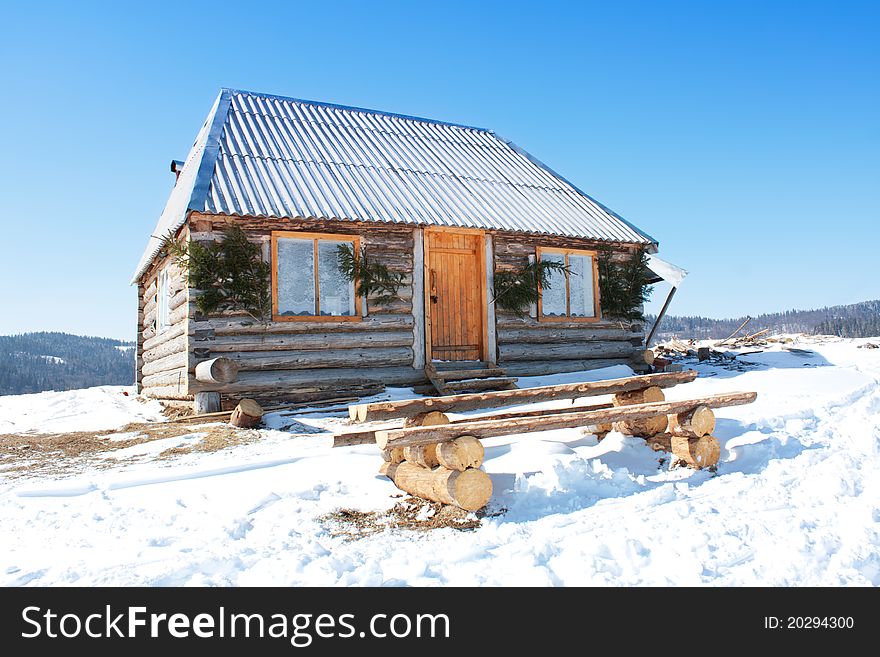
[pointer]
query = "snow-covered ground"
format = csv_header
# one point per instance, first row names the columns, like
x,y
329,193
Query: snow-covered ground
x,y
795,500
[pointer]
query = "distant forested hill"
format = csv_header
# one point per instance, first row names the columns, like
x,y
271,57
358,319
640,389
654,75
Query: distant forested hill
x,y
859,320
33,362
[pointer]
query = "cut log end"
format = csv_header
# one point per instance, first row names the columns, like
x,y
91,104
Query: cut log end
x,y
247,414
643,427
422,455
698,453
697,422
460,454
217,370
429,419
393,455
649,356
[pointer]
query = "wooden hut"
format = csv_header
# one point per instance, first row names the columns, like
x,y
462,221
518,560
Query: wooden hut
x,y
444,205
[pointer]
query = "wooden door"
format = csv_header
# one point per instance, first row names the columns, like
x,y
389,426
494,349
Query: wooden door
x,y
455,295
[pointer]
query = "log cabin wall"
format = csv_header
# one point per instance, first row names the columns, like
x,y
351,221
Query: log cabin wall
x,y
162,360
310,360
528,346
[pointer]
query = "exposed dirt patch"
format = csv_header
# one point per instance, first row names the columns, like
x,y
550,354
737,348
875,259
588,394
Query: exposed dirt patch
x,y
411,513
63,454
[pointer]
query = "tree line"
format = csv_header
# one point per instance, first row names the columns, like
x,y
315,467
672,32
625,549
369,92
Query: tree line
x,y
858,320
34,362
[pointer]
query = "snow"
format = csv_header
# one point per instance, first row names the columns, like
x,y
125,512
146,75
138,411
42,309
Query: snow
x,y
795,500
87,409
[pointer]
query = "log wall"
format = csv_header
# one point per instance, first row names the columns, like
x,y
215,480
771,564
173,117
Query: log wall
x,y
162,360
528,346
309,360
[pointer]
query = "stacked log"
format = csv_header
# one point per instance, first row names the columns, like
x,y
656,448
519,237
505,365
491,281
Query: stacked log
x,y
698,422
441,472
469,489
643,427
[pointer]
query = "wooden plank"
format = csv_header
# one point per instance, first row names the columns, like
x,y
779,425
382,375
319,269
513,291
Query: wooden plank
x,y
488,292
492,427
418,299
468,402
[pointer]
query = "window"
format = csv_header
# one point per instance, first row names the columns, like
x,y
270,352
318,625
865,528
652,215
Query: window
x,y
307,282
571,295
162,299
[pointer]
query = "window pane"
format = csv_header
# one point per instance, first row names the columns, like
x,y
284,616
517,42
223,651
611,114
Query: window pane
x,y
296,277
580,286
553,296
336,292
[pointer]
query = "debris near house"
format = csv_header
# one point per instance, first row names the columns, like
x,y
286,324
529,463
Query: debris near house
x,y
869,345
433,458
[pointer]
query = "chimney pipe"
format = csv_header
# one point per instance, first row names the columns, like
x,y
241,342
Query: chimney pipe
x,y
176,168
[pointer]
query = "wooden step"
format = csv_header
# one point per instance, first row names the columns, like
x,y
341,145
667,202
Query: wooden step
x,y
495,383
447,365
459,375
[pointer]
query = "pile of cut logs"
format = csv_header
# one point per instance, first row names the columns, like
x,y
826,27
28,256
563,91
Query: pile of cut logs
x,y
431,456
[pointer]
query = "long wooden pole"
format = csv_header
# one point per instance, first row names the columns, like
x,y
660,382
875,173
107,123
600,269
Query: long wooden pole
x,y
368,436
489,428
472,401
660,317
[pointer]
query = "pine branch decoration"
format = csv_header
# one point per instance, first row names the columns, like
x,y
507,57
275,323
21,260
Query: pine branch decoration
x,y
623,287
230,274
374,280
515,290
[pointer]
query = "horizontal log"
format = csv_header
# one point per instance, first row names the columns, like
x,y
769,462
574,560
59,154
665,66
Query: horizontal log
x,y
579,351
544,334
217,371
281,381
171,362
368,436
489,428
166,392
178,299
250,361
472,401
512,322
223,326
309,341
168,334
538,368
175,378
469,490
173,346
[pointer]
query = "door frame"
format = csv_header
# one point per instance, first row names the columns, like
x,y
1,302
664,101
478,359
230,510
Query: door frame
x,y
481,274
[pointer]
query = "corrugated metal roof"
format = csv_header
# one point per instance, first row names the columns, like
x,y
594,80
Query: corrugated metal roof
x,y
268,156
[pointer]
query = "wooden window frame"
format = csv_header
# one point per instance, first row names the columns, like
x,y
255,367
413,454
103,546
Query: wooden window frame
x,y
315,237
597,310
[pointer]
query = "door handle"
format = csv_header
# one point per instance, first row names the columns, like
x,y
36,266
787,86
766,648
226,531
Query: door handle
x,y
434,297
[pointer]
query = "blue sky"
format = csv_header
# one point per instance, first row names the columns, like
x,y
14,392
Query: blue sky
x,y
744,136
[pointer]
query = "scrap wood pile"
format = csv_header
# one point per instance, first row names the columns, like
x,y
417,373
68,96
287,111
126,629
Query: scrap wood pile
x,y
431,456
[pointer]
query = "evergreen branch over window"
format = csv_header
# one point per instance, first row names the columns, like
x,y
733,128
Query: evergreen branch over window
x,y
623,287
374,280
515,290
230,273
